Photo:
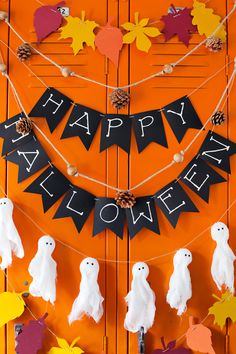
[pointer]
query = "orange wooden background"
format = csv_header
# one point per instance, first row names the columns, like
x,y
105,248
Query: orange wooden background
x,y
115,167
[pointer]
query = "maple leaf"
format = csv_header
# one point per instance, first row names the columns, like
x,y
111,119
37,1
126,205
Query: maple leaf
x,y
178,23
207,21
139,32
80,31
65,348
224,308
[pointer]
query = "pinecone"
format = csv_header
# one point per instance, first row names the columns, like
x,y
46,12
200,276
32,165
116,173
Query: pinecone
x,y
125,199
119,98
218,118
24,52
214,44
24,126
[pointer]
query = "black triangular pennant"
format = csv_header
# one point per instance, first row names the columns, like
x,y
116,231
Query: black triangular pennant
x,y
217,150
181,116
83,122
52,105
142,215
173,200
108,215
12,139
199,177
30,158
51,185
148,128
76,204
116,130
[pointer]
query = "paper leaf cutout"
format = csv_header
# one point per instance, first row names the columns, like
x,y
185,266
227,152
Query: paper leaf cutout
x,y
139,32
64,347
198,338
47,19
178,22
207,21
171,348
30,339
109,42
12,306
80,30
224,308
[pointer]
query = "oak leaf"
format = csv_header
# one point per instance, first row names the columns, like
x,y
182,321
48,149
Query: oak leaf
x,y
65,348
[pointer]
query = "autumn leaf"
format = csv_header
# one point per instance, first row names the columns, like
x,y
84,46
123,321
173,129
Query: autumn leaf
x,y
12,306
80,30
224,308
139,32
206,21
178,23
65,348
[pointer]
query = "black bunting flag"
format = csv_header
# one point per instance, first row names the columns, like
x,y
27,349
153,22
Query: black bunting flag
x,y
108,215
12,139
76,204
52,105
148,128
142,215
30,158
217,150
51,184
173,200
199,177
181,116
83,122
116,130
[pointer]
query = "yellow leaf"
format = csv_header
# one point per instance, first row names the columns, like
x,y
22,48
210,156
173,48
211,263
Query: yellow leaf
x,y
65,348
206,21
139,32
80,31
224,308
11,307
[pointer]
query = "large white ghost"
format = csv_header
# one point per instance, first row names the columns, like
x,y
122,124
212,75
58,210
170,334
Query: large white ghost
x,y
140,301
222,268
180,285
43,270
89,301
10,240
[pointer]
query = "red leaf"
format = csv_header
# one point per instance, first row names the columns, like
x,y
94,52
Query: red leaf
x,y
179,23
109,42
171,348
47,19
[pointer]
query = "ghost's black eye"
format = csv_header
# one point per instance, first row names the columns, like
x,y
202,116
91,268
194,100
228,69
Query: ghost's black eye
x,y
46,243
186,255
51,243
142,267
139,269
218,229
92,263
189,255
222,228
4,203
87,262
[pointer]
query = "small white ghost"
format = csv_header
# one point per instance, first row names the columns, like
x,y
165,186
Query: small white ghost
x,y
222,268
10,240
180,285
140,301
89,301
43,270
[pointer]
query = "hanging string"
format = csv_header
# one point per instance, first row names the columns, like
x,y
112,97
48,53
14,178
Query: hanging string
x,y
134,83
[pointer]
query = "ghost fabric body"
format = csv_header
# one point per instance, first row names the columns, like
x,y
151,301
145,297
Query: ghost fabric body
x,y
180,286
140,301
222,268
89,301
43,270
10,240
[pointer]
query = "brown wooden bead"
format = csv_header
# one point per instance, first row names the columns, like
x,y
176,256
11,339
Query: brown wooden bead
x,y
72,170
3,68
168,69
66,72
179,157
3,15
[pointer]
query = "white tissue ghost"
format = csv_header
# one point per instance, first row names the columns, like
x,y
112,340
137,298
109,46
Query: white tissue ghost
x,y
9,238
222,268
43,270
89,301
140,301
180,286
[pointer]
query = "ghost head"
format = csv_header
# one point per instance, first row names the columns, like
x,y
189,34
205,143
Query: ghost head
x,y
220,232
140,301
182,258
89,301
9,238
42,268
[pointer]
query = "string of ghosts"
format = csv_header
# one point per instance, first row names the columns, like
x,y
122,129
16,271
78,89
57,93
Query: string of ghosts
x,y
140,299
